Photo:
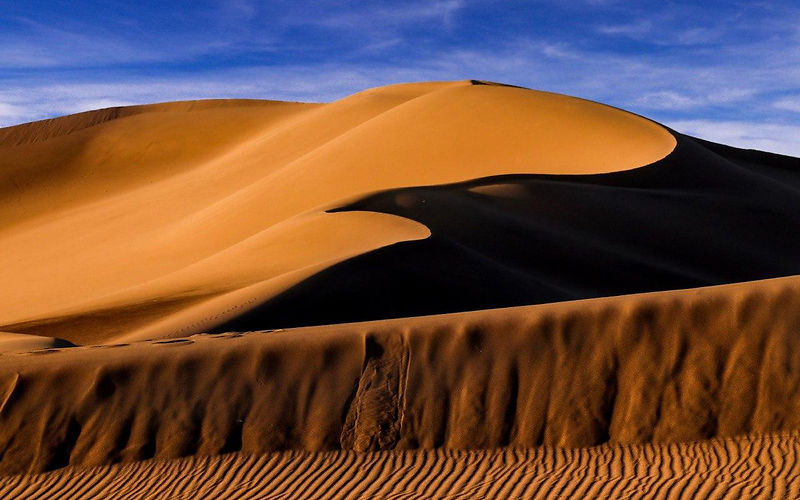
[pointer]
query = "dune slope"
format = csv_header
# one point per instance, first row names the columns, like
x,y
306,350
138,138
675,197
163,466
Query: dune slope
x,y
704,215
663,367
179,218
154,215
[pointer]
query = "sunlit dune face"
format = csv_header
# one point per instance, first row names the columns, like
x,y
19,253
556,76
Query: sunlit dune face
x,y
206,200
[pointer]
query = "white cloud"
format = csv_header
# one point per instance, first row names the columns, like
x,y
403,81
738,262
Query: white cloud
x,y
11,113
34,45
666,100
44,46
788,104
736,81
27,101
370,19
634,30
671,100
774,137
698,35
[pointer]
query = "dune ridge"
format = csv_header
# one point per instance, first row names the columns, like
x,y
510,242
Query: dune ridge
x,y
764,466
662,367
42,130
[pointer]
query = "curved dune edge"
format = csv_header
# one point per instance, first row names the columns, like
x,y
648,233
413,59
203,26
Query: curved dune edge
x,y
705,215
150,205
764,466
16,342
661,367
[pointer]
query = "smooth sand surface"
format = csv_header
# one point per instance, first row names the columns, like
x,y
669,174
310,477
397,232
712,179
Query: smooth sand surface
x,y
164,267
149,210
11,342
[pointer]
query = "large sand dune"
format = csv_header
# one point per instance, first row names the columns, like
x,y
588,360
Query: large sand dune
x,y
324,290
171,206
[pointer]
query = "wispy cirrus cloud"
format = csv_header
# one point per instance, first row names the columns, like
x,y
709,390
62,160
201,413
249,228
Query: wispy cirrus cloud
x,y
686,64
42,46
788,103
782,138
391,15
11,113
635,29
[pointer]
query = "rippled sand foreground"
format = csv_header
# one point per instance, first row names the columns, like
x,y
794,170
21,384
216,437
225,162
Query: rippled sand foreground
x,y
744,467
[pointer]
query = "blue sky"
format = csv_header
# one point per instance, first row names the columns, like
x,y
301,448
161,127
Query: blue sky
x,y
728,71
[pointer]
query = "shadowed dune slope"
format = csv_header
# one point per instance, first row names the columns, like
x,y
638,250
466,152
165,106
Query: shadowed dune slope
x,y
664,367
706,214
746,467
164,220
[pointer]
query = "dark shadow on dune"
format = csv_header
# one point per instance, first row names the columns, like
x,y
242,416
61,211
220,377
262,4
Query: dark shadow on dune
x,y
706,214
487,82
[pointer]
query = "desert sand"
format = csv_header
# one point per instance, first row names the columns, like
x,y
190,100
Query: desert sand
x,y
456,289
181,205
733,468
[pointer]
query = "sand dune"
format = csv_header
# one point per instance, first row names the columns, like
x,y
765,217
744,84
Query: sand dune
x,y
170,205
745,467
420,290
173,219
662,367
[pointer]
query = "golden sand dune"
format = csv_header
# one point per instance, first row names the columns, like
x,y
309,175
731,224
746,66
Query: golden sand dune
x,y
171,206
746,467
420,290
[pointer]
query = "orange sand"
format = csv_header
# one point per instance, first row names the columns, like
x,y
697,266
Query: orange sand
x,y
129,233
159,208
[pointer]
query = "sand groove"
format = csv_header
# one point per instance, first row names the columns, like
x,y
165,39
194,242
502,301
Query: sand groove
x,y
375,416
762,466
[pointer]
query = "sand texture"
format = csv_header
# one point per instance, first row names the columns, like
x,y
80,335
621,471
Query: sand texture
x,y
429,290
662,367
744,467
